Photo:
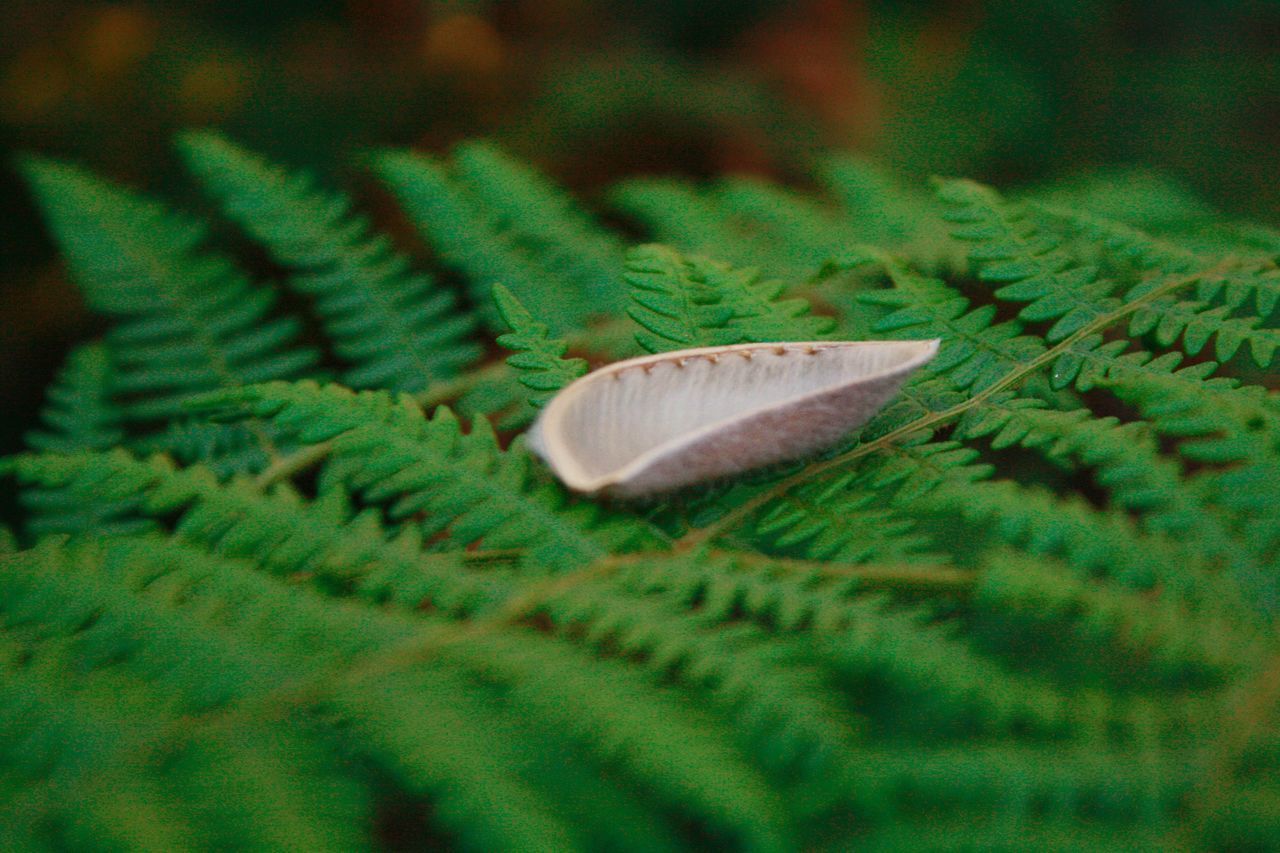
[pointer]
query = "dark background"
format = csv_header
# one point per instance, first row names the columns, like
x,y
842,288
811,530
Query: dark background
x,y
1008,91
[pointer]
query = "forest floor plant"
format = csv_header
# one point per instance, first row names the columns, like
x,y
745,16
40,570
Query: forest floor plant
x,y
287,576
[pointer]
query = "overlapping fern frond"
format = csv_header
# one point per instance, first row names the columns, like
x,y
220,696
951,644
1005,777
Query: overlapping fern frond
x,y
398,329
682,302
498,222
187,320
1031,604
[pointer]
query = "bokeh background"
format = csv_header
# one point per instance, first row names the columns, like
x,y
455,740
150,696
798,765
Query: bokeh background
x,y
1008,91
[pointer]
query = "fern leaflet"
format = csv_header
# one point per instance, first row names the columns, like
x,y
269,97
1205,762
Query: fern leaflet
x,y
539,359
188,321
684,302
399,330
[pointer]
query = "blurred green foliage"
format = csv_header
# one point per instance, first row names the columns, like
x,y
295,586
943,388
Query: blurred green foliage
x,y
1030,605
1004,91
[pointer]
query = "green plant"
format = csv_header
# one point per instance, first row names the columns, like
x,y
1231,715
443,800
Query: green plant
x,y
1031,604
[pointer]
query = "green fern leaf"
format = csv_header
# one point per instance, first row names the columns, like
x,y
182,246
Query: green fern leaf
x,y
975,352
689,219
277,529
1182,647
80,416
187,321
874,202
1030,604
540,263
1195,323
467,488
539,359
1028,265
1134,196
841,521
683,302
555,227
746,223
1239,431
399,330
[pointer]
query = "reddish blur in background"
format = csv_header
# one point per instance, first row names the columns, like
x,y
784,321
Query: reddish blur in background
x,y
1005,90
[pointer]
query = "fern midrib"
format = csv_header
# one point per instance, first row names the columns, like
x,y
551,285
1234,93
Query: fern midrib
x,y
743,511
689,309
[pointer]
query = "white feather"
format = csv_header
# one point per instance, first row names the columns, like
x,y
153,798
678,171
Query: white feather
x,y
657,423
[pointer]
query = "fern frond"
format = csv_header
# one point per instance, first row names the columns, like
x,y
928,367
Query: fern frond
x,y
1127,459
553,261
95,720
1093,542
80,416
1018,786
686,217
838,519
779,700
804,232
1026,264
667,748
746,223
470,725
1032,267
1125,242
552,223
226,448
1238,436
947,683
462,762
450,748
879,209
398,329
1086,362
1137,197
1195,323
469,239
257,604
1231,286
495,391
1031,603
1009,835
281,532
690,301
461,485
1178,646
187,320
975,352
1245,238
539,360
918,466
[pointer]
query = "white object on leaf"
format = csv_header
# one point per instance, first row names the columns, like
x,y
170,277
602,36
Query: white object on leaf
x,y
657,423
